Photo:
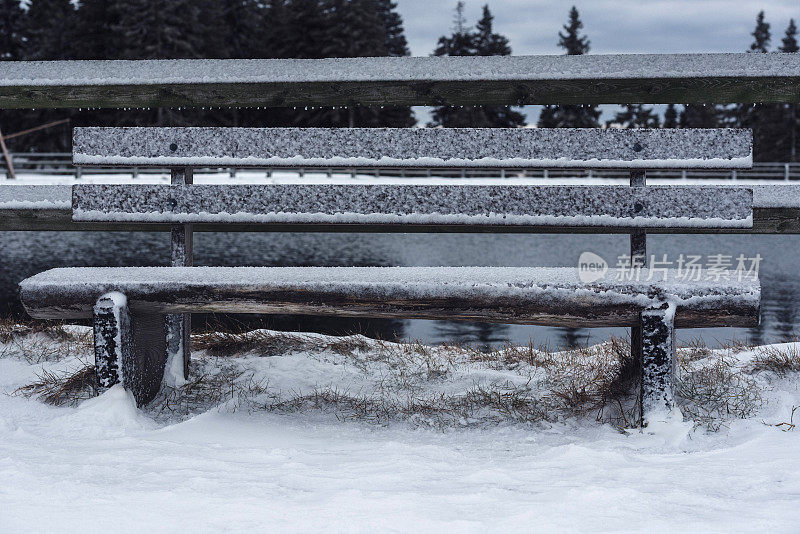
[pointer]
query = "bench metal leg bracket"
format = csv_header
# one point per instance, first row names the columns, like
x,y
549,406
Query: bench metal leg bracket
x,y
657,397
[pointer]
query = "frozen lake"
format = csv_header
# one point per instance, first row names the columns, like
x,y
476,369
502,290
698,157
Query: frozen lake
x,y
26,253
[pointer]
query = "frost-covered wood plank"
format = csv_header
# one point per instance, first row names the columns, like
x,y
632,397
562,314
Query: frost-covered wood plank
x,y
414,147
547,296
516,80
776,211
676,206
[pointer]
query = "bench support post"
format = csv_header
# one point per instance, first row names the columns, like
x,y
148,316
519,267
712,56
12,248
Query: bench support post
x,y
112,339
179,326
128,348
638,178
657,397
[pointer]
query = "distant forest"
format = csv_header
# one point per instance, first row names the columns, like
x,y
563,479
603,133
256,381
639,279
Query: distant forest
x,y
174,29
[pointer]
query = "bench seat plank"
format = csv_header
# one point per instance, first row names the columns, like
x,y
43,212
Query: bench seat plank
x,y
674,206
521,295
414,147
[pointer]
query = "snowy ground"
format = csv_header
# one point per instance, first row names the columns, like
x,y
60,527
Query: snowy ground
x,y
308,433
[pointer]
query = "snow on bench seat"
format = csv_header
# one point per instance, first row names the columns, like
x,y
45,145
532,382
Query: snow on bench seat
x,y
673,206
522,295
416,147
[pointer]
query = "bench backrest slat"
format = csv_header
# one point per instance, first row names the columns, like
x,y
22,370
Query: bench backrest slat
x,y
662,206
414,147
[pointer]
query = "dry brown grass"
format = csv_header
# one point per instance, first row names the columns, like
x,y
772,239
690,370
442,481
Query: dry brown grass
x,y
780,360
716,392
41,341
60,389
409,381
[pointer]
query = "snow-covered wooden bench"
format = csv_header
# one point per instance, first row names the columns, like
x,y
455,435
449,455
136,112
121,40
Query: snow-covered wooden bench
x,y
129,305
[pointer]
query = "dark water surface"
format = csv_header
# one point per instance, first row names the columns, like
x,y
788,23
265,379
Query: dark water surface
x,y
23,254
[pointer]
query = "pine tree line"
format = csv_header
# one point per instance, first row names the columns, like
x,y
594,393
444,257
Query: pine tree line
x,y
184,29
480,41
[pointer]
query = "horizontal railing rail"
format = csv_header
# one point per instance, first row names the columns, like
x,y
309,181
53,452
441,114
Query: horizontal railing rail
x,y
35,163
402,81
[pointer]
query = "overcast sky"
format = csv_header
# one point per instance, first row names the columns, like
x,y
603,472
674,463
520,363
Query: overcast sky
x,y
613,26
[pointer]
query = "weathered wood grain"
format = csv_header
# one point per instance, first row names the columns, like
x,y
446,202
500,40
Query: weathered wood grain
x,y
515,80
58,294
765,221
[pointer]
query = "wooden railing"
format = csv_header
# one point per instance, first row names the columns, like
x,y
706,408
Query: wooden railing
x,y
512,80
60,164
422,81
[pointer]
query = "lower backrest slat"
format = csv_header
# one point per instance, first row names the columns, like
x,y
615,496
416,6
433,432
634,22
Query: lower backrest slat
x,y
670,206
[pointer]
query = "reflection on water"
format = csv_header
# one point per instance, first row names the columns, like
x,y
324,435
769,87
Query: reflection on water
x,y
26,253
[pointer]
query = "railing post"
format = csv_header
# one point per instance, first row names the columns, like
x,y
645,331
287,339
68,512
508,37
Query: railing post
x,y
786,171
179,326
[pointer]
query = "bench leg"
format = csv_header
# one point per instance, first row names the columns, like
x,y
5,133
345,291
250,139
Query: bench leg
x,y
179,326
112,339
128,348
657,398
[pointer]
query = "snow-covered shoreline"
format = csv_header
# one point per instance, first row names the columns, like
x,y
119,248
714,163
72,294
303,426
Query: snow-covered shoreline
x,y
303,432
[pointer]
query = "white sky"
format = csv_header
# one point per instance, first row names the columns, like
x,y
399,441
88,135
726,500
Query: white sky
x,y
613,26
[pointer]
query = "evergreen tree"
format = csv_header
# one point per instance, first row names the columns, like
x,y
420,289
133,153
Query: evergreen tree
x,y
161,29
98,29
275,27
571,116
12,30
635,116
49,30
307,29
396,44
670,117
461,41
761,35
699,116
571,40
789,46
483,41
789,41
241,23
771,137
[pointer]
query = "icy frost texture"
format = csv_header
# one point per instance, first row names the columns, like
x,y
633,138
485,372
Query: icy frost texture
x,y
34,196
405,69
409,204
422,147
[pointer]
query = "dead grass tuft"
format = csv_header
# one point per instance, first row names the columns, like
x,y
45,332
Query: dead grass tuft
x,y
60,389
716,392
781,360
